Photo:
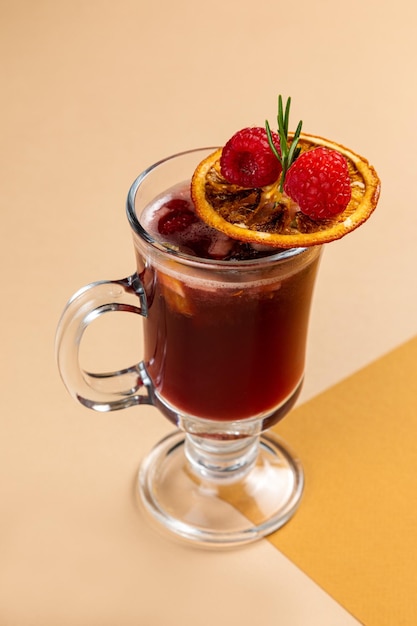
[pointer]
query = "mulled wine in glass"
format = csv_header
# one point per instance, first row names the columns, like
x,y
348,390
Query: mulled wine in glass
x,y
225,329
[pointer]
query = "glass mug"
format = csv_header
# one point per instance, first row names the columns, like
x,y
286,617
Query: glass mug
x,y
224,353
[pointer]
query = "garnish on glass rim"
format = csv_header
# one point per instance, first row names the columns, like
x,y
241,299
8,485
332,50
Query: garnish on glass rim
x,y
322,190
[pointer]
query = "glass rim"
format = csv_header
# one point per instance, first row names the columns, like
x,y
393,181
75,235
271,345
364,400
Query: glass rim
x,y
138,229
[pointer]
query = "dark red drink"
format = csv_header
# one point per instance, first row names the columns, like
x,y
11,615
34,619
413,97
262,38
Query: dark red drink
x,y
224,341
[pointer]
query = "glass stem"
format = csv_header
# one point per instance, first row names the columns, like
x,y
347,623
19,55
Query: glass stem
x,y
221,460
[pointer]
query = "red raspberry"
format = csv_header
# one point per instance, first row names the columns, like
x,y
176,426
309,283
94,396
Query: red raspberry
x,y
178,218
247,159
177,204
319,182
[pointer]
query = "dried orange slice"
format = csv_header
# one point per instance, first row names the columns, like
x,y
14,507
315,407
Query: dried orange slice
x,y
266,216
174,294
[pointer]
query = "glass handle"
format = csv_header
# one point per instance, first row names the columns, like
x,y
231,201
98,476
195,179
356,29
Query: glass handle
x,y
101,391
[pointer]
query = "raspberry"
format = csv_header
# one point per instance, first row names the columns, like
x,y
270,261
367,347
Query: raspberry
x,y
178,218
247,159
177,204
319,182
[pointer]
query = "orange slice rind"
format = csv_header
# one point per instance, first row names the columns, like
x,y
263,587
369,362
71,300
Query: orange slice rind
x,y
265,216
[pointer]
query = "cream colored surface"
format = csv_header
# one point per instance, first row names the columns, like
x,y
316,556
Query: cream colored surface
x,y
92,92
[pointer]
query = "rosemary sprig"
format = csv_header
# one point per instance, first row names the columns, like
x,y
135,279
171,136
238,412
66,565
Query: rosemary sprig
x,y
288,152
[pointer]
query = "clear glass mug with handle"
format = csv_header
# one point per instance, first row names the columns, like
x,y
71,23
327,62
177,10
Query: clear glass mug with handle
x,y
224,353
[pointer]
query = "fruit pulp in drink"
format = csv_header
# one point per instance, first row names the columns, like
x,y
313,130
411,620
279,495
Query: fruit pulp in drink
x,y
226,345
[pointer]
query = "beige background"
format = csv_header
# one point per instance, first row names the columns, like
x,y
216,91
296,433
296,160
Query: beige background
x,y
92,92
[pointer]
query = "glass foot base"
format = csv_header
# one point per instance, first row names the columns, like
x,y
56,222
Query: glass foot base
x,y
221,510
